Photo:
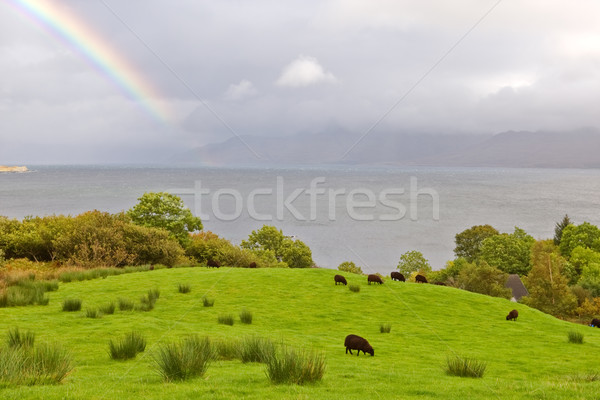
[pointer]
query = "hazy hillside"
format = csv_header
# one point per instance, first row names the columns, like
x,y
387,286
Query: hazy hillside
x,y
575,149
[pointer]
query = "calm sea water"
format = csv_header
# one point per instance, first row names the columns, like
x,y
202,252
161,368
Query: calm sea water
x,y
368,215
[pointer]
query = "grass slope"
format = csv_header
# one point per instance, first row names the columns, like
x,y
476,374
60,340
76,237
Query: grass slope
x,y
527,359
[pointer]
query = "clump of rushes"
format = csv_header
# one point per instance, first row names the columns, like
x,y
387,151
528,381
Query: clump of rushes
x,y
246,316
16,338
225,319
128,347
148,301
296,367
184,288
354,288
184,360
208,302
465,367
108,308
256,349
71,305
125,304
92,313
575,337
385,328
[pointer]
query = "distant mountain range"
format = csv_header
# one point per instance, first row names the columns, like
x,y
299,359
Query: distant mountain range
x,y
573,149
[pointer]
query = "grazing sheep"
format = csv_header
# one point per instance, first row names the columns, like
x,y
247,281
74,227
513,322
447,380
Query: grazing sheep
x,y
340,279
512,315
354,342
420,279
213,263
440,283
252,265
397,276
595,323
374,278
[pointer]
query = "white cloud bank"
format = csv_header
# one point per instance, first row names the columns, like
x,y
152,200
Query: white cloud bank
x,y
241,90
304,71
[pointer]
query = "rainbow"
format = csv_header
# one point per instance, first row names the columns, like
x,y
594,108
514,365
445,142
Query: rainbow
x,y
73,30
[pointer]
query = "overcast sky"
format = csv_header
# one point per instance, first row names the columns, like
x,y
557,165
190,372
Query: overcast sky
x,y
284,67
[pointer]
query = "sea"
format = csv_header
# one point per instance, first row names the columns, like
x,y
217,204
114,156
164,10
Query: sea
x,y
368,215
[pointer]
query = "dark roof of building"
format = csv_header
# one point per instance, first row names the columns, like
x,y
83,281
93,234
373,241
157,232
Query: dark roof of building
x,y
515,284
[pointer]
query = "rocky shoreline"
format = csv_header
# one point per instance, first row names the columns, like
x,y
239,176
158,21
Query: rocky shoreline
x,y
4,168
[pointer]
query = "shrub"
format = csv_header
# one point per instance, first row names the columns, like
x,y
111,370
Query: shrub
x,y
125,304
349,266
127,347
207,302
465,367
256,349
385,328
71,305
225,319
295,367
184,360
354,288
17,339
45,364
108,308
246,316
575,337
92,313
184,288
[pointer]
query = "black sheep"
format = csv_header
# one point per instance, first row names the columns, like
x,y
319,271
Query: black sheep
x,y
340,279
397,276
595,323
512,315
420,279
440,283
374,278
213,263
252,265
354,342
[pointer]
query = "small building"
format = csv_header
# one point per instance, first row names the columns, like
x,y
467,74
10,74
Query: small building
x,y
515,284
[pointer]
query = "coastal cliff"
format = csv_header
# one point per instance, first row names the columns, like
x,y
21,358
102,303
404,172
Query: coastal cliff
x,y
4,168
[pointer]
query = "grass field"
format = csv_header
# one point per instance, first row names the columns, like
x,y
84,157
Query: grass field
x,y
527,359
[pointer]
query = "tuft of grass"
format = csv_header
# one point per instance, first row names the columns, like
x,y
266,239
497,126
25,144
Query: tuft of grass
x,y
256,349
385,328
128,347
227,349
246,316
42,365
354,288
108,308
71,305
184,288
575,337
24,293
296,367
184,360
92,313
148,301
16,338
208,302
225,319
590,376
125,304
465,367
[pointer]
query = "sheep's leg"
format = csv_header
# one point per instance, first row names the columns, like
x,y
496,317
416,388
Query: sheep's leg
x,y
348,349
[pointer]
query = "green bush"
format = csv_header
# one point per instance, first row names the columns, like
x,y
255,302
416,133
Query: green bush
x,y
208,302
128,347
575,337
184,360
385,328
108,308
354,288
71,305
465,367
295,367
225,319
256,349
184,288
125,304
16,338
349,266
246,316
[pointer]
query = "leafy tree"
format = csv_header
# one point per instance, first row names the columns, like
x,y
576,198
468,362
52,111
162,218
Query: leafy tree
x,y
413,261
484,279
560,226
349,266
585,235
468,242
508,252
165,211
587,263
450,273
295,253
548,287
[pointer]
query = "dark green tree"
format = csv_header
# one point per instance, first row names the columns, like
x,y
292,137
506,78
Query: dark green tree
x,y
468,242
483,279
269,239
560,226
413,261
510,253
585,235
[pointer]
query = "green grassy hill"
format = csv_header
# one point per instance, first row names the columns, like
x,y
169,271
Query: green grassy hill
x,y
527,359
